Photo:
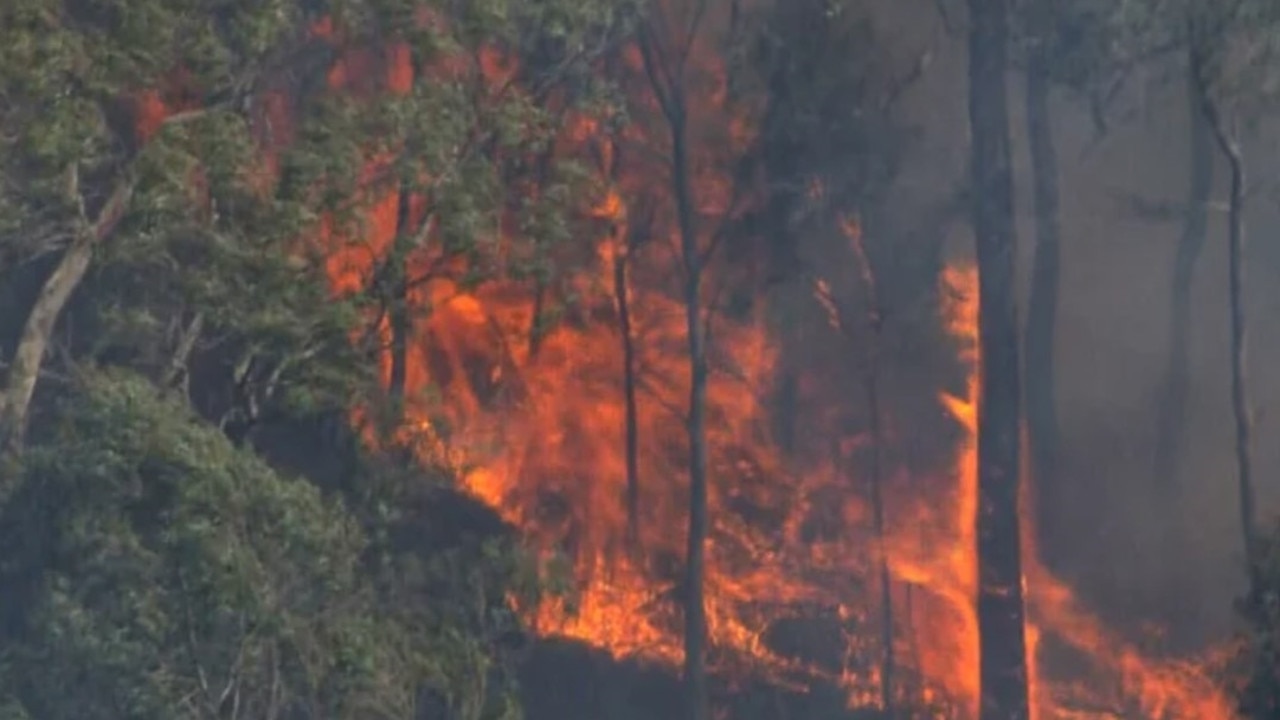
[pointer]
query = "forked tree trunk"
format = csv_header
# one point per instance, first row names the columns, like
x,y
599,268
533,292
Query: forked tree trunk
x,y
1003,666
665,77
1171,421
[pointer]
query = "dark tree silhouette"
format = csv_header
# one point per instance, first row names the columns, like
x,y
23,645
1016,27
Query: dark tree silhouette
x,y
1003,668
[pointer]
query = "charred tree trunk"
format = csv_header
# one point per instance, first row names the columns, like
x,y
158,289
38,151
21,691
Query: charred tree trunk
x,y
632,430
1171,421
1003,666
665,77
1240,405
398,310
871,389
1042,307
1228,142
627,236
888,662
537,319
695,624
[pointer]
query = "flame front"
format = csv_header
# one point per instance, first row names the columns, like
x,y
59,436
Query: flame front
x,y
532,417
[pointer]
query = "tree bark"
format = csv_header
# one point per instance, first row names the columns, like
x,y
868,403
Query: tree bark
x,y
1228,142
627,234
177,373
632,430
390,286
1003,666
665,76
1042,306
1171,421
398,310
871,390
24,371
695,629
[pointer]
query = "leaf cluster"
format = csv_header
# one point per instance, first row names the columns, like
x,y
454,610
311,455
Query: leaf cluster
x,y
154,570
154,567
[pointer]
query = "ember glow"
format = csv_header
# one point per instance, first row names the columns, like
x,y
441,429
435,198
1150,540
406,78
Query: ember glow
x,y
533,420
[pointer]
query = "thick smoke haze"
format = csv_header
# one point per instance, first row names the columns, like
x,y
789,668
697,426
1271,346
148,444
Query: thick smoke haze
x,y
1141,548
649,355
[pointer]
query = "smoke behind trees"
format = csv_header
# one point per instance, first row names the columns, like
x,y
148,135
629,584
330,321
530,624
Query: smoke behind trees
x,y
835,156
1140,549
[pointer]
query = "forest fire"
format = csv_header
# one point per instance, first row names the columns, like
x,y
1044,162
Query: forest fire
x,y
616,360
534,418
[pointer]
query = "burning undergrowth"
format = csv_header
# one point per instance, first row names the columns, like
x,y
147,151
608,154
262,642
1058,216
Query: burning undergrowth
x,y
571,426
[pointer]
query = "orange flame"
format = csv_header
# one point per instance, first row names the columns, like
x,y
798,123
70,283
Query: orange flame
x,y
532,420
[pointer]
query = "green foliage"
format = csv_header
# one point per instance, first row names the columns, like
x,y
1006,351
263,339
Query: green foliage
x,y
476,148
150,567
153,570
154,560
68,74
198,235
207,233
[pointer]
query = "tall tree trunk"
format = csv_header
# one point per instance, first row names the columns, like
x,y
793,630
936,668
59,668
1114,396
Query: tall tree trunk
x,y
666,78
24,370
888,663
538,318
695,622
1042,307
398,312
1173,405
627,237
695,612
632,430
871,389
397,287
1228,142
1240,405
1003,666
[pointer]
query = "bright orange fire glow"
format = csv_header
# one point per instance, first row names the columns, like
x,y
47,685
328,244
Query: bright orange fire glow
x,y
532,418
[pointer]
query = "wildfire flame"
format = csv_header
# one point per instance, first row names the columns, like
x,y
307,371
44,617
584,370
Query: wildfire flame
x,y
534,427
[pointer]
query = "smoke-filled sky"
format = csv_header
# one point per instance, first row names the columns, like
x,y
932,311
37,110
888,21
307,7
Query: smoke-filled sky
x,y
1123,550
